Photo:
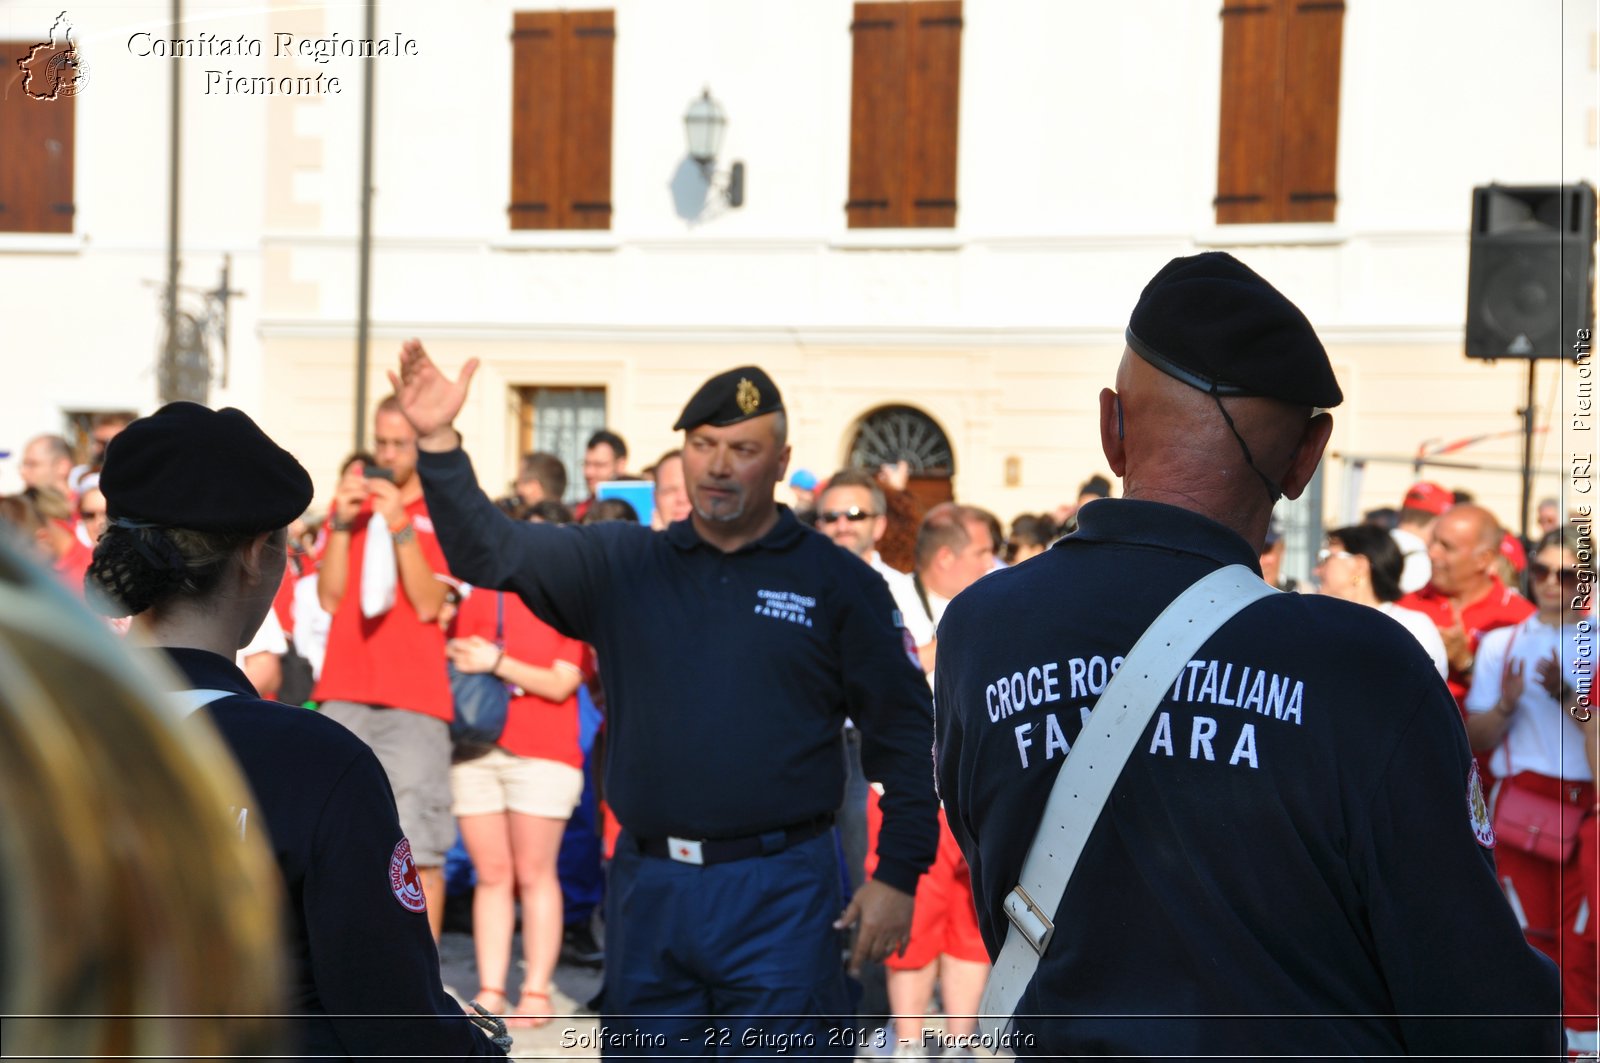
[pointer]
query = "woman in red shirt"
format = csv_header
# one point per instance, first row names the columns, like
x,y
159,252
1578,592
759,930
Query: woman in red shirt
x,y
513,801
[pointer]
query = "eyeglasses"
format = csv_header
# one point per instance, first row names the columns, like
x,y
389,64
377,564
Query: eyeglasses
x,y
1324,555
1541,572
854,514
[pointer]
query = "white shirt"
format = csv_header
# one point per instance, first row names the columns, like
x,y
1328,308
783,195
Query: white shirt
x,y
1418,569
268,639
1422,627
1542,737
311,623
904,590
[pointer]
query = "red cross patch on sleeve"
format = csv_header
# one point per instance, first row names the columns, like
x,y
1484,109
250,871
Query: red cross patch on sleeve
x,y
1478,809
404,880
910,643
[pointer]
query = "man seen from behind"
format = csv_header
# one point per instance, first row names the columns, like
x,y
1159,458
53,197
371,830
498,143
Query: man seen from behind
x,y
1296,858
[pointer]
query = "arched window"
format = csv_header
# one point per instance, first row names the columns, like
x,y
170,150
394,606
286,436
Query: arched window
x,y
891,434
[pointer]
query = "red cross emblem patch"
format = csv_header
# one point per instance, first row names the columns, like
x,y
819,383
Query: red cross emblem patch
x,y
404,880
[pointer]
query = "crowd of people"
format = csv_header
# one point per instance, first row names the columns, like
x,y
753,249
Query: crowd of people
x,y
709,812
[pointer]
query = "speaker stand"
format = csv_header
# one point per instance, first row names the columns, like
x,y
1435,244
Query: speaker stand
x,y
1527,453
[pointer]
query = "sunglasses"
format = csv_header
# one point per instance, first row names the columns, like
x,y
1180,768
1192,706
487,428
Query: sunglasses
x,y
1541,572
91,514
1324,555
854,514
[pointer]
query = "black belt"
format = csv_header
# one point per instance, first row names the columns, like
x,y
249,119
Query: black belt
x,y
722,850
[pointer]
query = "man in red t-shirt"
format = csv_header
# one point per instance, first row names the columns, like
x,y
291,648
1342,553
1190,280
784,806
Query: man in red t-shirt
x,y
1465,598
384,674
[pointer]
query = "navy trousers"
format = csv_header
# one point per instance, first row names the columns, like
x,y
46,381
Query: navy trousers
x,y
732,960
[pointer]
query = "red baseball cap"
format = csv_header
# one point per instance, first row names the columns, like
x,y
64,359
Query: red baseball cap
x,y
1428,497
1511,549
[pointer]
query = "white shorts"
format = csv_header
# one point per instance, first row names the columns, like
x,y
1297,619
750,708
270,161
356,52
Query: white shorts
x,y
499,781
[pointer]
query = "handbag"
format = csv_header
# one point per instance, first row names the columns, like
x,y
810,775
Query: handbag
x,y
1527,820
1530,822
481,700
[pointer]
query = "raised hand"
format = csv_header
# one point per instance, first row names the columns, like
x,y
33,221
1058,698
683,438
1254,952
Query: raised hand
x,y
1511,687
386,501
429,399
349,495
1550,677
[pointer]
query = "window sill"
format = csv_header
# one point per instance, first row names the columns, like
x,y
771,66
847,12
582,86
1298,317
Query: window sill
x,y
42,243
897,240
555,240
1278,234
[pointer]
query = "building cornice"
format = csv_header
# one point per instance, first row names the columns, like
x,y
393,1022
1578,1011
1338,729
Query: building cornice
x,y
821,335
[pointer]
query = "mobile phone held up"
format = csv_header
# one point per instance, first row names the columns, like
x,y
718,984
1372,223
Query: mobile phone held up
x,y
374,472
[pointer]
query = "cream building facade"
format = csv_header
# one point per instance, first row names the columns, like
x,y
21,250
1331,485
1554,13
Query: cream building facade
x,y
1087,157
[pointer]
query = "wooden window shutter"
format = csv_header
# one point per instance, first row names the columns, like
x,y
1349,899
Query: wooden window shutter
x,y
36,148
1248,156
536,120
1277,153
586,119
880,43
933,112
1311,110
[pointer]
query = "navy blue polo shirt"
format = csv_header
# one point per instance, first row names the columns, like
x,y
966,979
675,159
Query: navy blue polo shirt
x,y
1289,863
365,969
728,676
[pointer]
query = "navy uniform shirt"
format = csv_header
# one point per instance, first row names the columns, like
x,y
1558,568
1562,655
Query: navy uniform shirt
x,y
358,937
727,675
1289,863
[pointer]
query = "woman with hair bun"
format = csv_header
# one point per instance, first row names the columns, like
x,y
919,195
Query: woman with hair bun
x,y
197,504
1362,564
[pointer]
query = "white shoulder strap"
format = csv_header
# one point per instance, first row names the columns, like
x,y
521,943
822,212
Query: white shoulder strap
x,y
195,700
1091,770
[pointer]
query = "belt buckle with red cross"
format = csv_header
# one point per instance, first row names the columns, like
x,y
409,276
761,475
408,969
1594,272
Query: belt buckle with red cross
x,y
685,850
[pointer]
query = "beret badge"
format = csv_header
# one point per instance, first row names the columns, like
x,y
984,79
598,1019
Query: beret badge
x,y
730,397
747,396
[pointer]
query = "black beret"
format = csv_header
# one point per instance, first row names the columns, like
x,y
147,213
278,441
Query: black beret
x,y
731,397
1215,324
186,466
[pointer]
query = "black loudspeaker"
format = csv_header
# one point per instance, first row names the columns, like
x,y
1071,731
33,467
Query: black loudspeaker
x,y
1530,281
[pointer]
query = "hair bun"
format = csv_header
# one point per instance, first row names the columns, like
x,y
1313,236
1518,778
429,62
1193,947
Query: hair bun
x,y
132,570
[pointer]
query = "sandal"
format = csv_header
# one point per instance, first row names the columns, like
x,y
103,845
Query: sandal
x,y
533,1010
491,999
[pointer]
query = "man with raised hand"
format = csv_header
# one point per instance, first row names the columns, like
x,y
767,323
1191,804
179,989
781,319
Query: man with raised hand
x,y
383,674
731,646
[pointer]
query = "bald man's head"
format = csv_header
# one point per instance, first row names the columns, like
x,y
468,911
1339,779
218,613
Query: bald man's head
x,y
1463,547
1170,442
